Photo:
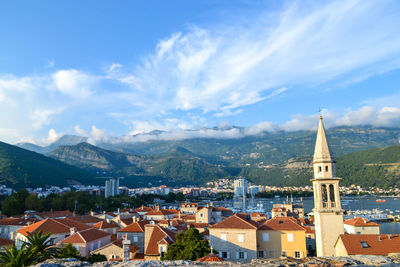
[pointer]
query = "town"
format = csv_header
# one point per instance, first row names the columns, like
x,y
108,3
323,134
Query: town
x,y
236,234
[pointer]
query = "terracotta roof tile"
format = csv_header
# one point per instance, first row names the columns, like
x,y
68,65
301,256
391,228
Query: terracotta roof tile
x,y
282,223
159,212
87,219
106,225
85,236
374,244
55,226
17,221
136,227
158,234
6,242
236,221
357,221
210,258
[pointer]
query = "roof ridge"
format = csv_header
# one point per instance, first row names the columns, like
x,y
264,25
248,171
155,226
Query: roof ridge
x,y
245,220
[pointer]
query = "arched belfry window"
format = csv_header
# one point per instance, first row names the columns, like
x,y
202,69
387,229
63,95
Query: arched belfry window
x,y
331,193
319,169
326,168
324,193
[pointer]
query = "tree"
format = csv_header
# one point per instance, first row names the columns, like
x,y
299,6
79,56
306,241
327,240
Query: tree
x,y
188,246
69,251
40,244
13,257
97,258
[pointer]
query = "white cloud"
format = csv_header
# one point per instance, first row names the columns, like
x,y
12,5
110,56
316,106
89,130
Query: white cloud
x,y
80,131
40,117
53,136
222,69
74,83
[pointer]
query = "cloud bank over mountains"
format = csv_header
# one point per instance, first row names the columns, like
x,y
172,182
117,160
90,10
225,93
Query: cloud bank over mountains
x,y
205,74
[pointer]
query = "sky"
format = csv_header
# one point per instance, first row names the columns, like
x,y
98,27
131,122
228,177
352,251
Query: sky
x,y
120,68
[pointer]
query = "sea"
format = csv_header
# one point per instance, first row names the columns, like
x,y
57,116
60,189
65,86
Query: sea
x,y
391,206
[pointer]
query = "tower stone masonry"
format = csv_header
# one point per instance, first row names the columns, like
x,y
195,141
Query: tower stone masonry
x,y
328,213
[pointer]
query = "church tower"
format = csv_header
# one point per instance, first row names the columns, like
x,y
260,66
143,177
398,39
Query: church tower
x,y
328,213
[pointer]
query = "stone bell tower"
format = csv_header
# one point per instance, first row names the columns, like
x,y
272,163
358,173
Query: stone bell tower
x,y
328,213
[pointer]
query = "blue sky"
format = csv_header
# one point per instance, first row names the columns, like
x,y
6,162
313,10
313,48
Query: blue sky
x,y
117,68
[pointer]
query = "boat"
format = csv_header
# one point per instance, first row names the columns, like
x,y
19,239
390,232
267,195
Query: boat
x,y
380,200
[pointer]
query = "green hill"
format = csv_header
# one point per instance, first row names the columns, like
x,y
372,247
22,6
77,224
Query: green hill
x,y
22,168
373,167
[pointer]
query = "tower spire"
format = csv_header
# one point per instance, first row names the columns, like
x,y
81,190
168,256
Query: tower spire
x,y
321,152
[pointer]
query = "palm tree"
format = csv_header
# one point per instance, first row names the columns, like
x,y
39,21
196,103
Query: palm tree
x,y
41,245
13,257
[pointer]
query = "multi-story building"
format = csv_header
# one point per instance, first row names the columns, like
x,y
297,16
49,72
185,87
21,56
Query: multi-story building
x,y
235,238
112,187
281,236
240,187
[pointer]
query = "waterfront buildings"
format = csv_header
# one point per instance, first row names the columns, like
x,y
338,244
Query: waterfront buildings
x,y
240,187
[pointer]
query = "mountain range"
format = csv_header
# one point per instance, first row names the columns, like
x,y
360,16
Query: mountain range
x,y
274,158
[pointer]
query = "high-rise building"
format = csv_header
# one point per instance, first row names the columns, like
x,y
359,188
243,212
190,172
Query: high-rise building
x,y
112,187
240,187
328,213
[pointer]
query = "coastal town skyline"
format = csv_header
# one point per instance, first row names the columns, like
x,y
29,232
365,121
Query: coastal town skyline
x,y
102,69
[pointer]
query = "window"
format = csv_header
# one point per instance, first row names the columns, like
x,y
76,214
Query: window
x,y
319,169
261,254
91,246
297,254
98,244
364,244
223,237
265,237
135,238
224,254
241,238
271,254
326,168
241,255
290,237
201,215
284,253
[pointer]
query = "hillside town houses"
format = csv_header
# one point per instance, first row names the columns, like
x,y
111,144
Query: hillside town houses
x,y
145,232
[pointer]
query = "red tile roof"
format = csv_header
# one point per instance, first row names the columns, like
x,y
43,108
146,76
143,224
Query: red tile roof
x,y
357,221
55,226
6,242
143,209
87,219
210,258
85,236
17,221
106,225
136,227
158,235
282,223
54,214
159,212
375,244
236,221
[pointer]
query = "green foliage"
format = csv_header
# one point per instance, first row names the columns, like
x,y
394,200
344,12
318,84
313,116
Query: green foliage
x,y
20,168
14,257
18,202
188,246
96,258
69,251
36,249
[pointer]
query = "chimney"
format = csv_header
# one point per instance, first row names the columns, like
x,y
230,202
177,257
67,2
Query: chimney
x,y
389,236
72,230
379,238
157,207
134,219
118,211
108,221
126,247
